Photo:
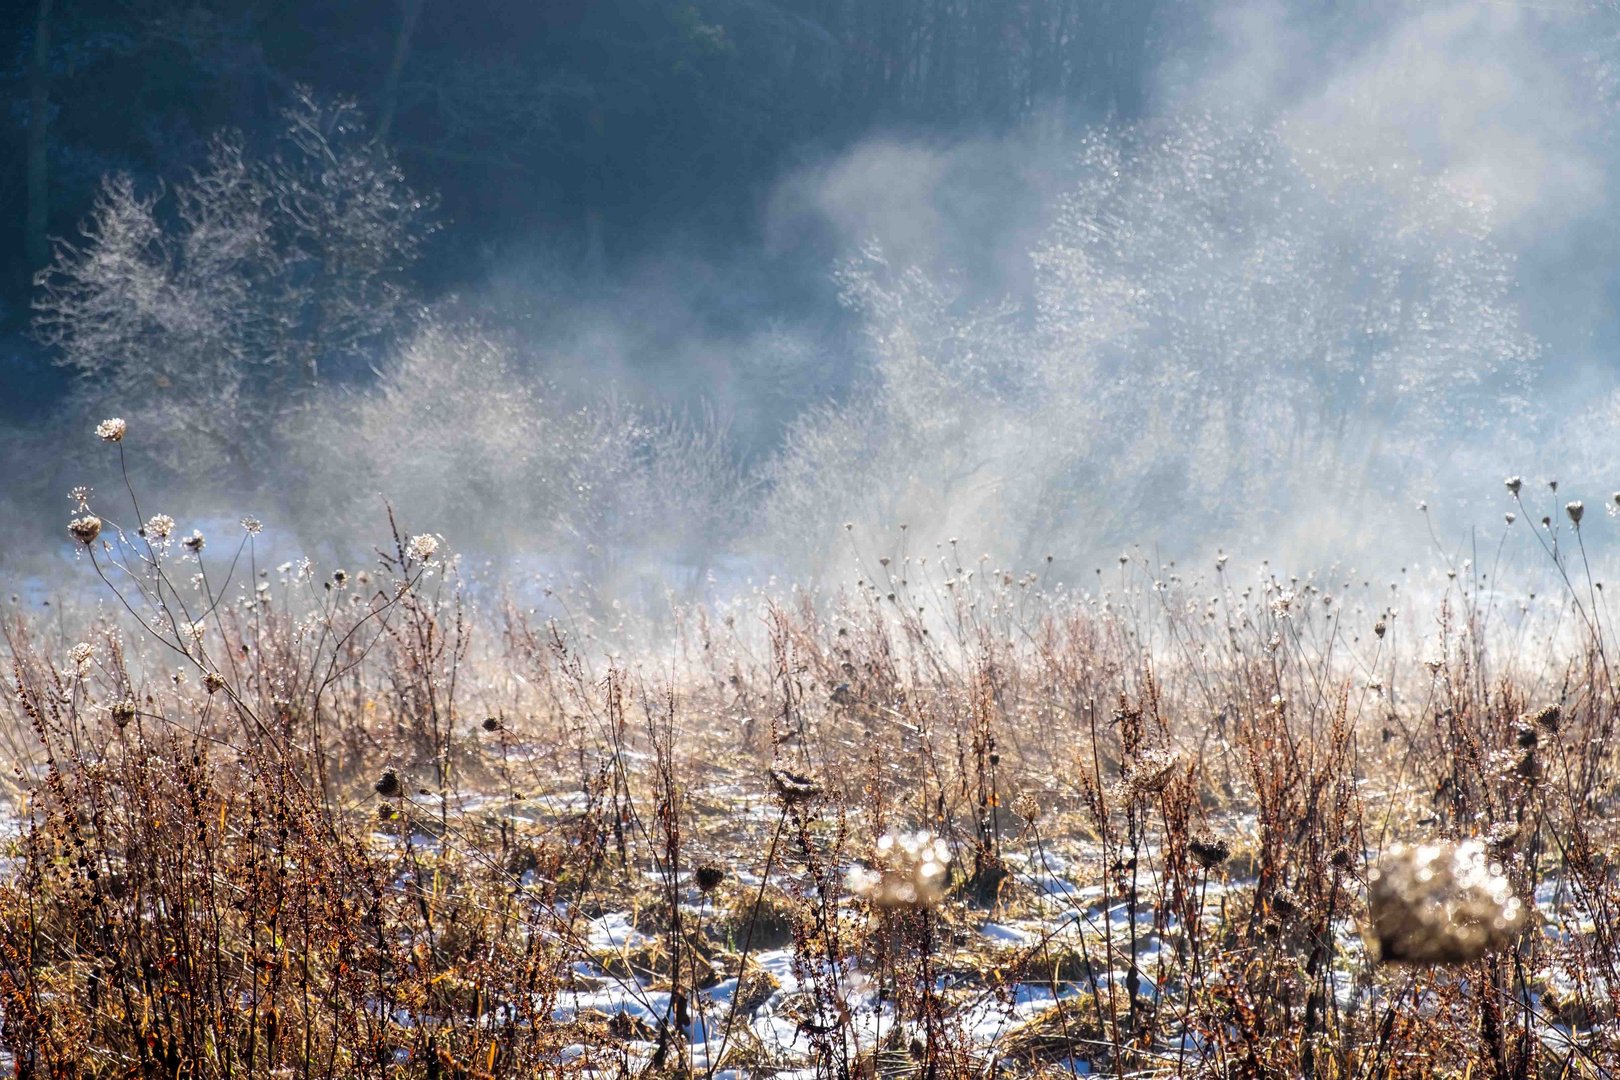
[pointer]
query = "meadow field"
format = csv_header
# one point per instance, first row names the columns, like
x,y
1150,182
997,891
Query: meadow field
x,y
950,820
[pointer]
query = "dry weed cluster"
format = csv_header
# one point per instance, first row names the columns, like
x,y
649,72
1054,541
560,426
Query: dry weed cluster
x,y
954,822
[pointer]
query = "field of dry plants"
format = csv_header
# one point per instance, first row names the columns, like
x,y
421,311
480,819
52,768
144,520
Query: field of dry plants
x,y
297,821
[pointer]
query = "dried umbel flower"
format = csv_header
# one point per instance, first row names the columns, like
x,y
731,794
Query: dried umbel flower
x,y
111,429
1209,851
81,497
123,712
1152,771
85,529
213,682
1548,717
1527,738
159,527
1028,807
491,723
1514,484
194,543
1380,628
1285,901
422,547
911,872
792,788
1502,838
1576,510
388,785
709,876
252,526
1441,903
81,655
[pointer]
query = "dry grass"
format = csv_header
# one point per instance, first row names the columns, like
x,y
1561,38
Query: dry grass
x,y
355,827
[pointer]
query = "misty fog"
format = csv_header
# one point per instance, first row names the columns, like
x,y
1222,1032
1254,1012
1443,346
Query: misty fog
x,y
1303,268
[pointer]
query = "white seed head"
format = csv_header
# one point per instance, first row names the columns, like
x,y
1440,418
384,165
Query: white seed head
x,y
911,872
1441,903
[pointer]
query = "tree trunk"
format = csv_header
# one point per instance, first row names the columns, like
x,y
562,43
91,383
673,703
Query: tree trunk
x,y
36,224
410,10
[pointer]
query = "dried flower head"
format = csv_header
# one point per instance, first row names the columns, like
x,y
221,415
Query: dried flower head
x,y
1548,718
111,429
85,529
1576,510
81,498
1151,772
123,712
213,682
252,526
422,547
709,876
792,788
1441,903
1209,851
1502,838
159,527
194,543
388,785
491,723
80,656
910,872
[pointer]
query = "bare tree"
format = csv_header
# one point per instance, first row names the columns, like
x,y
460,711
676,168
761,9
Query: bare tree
x,y
219,305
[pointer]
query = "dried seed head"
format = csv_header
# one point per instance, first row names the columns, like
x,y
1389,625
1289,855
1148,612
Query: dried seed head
x,y
194,543
1514,484
213,682
1285,901
1502,838
1548,718
491,724
1209,851
422,547
252,526
792,788
388,785
709,876
1528,738
111,430
158,527
911,872
1575,510
1028,807
1380,628
123,712
1152,771
80,656
85,529
1442,903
